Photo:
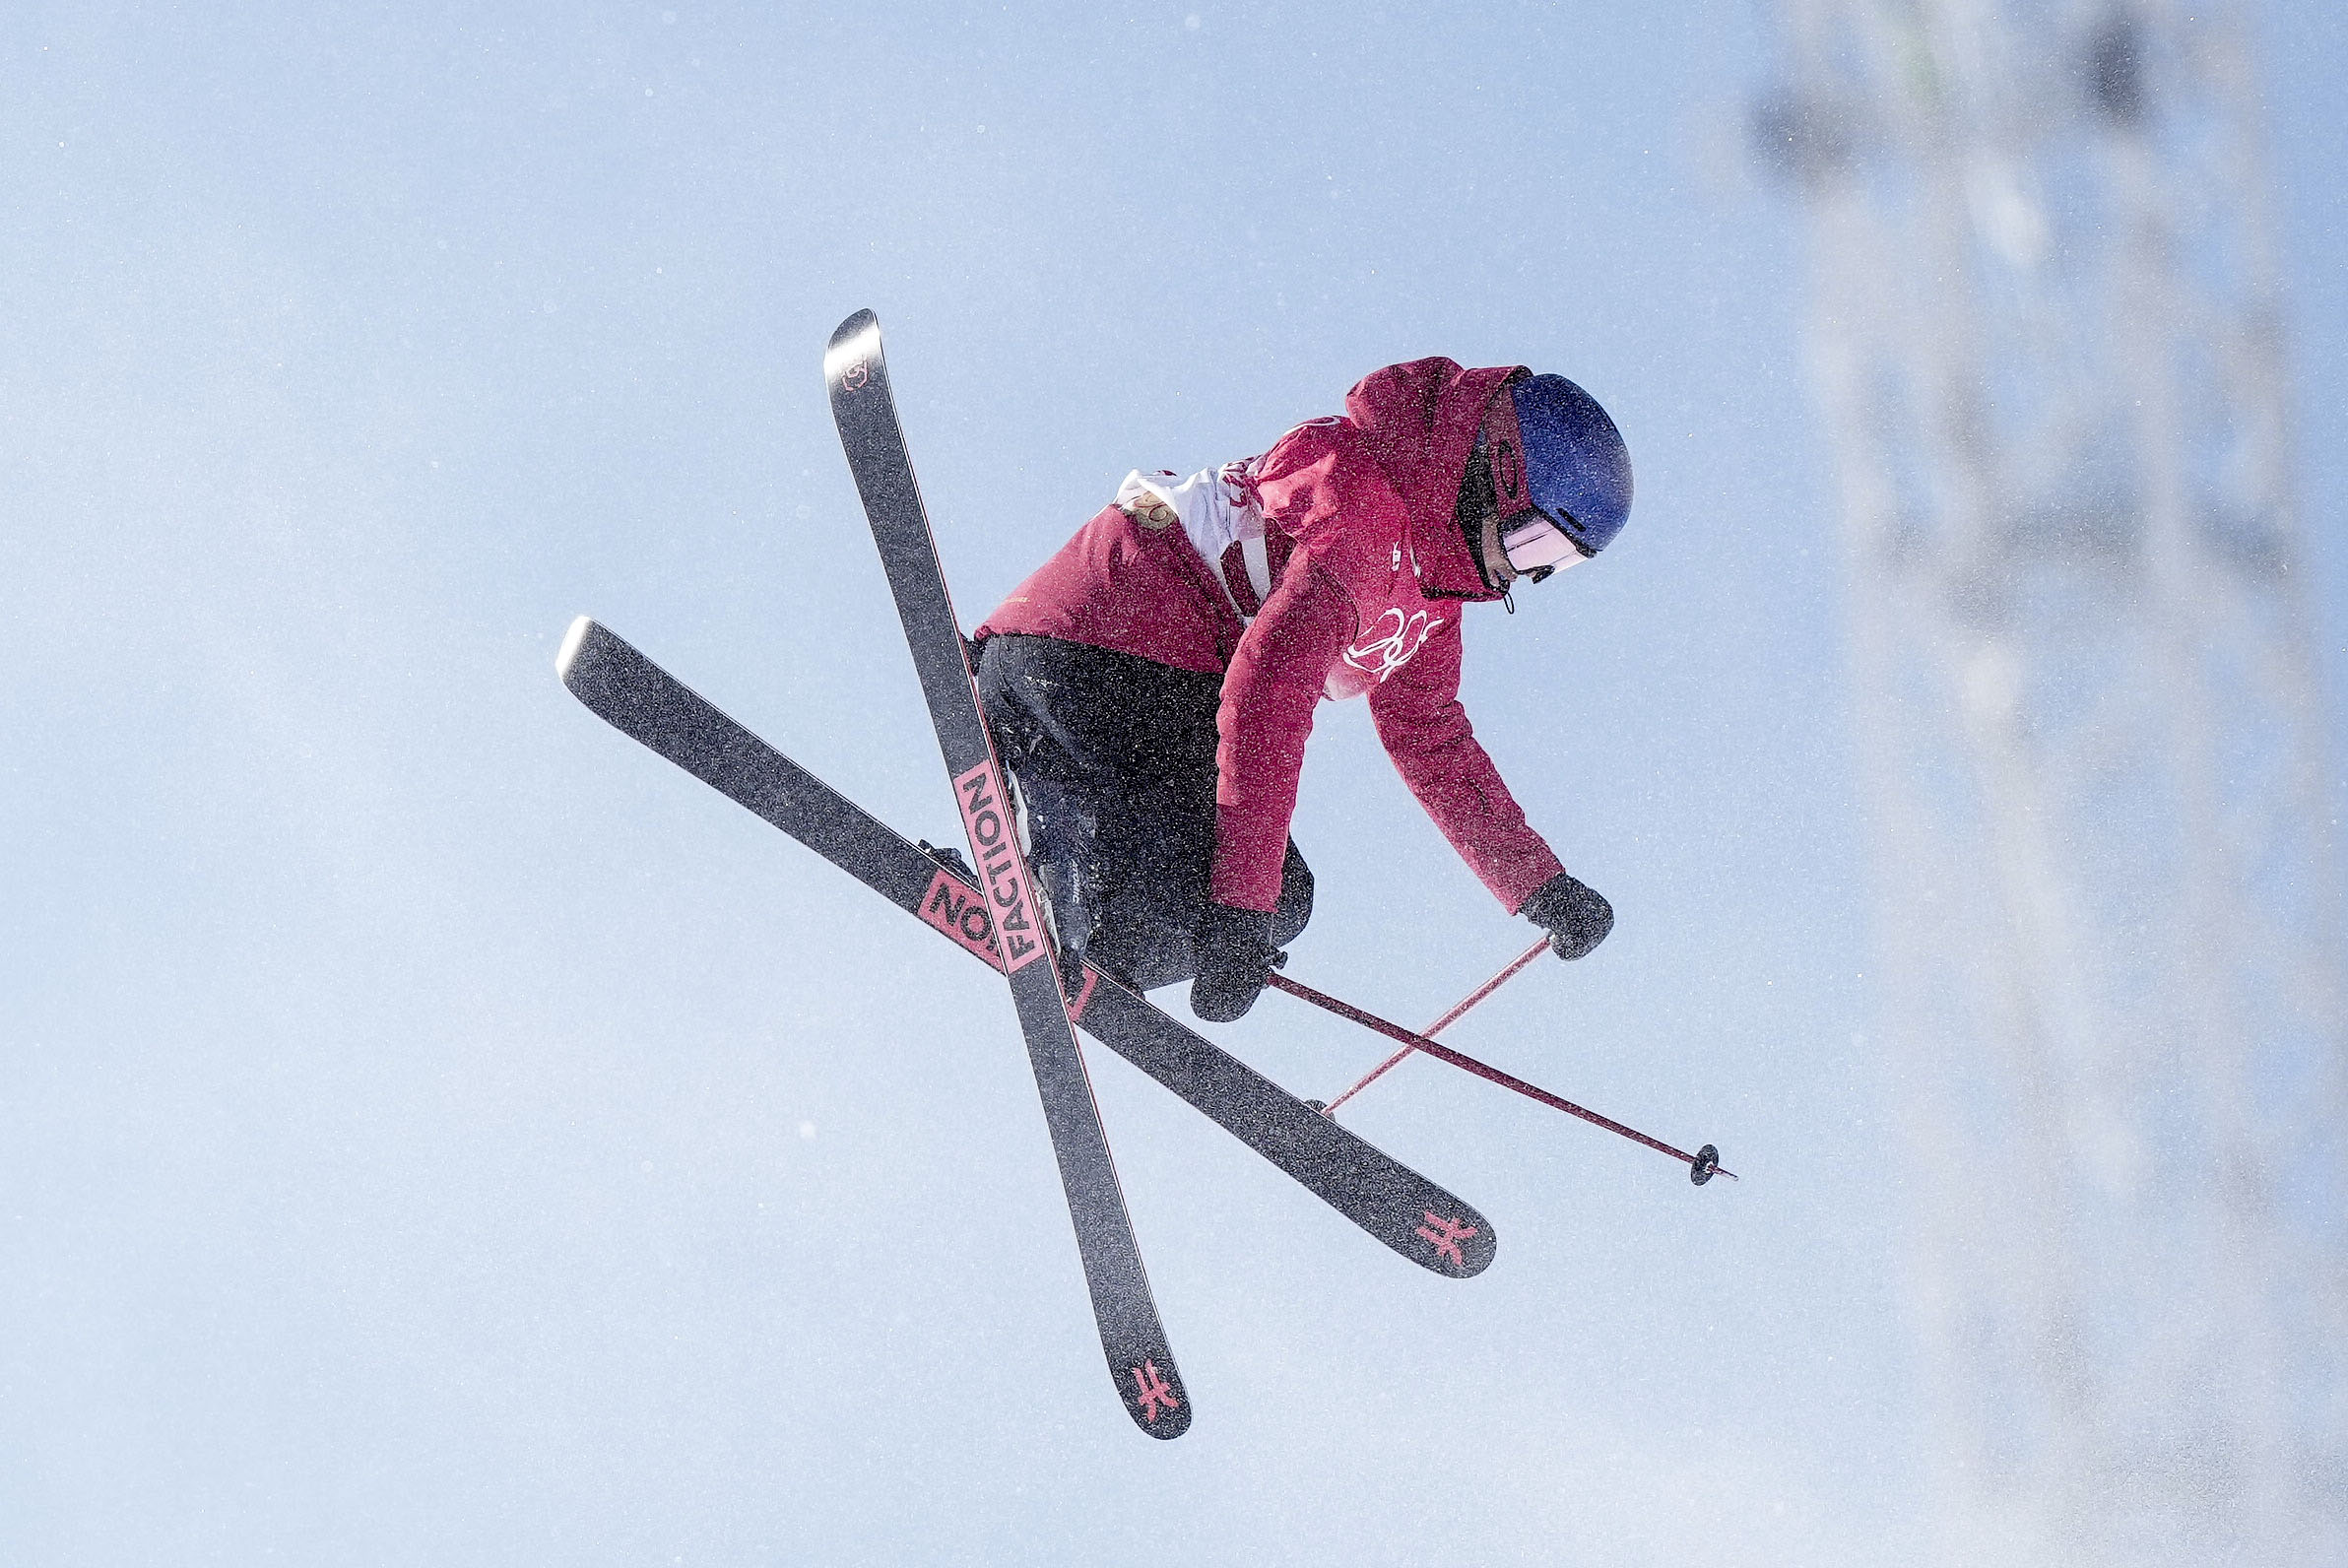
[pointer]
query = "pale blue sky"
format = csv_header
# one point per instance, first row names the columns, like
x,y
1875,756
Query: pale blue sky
x,y
433,1129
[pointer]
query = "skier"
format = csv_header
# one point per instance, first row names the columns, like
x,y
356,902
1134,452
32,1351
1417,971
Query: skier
x,y
1152,686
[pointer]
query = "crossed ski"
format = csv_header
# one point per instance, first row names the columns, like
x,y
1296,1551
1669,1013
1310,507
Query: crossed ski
x,y
992,913
1385,1197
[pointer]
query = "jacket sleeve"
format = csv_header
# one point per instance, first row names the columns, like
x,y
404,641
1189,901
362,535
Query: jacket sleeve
x,y
1426,732
1276,678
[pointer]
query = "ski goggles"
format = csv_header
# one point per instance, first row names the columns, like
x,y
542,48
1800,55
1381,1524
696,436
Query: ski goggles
x,y
1535,544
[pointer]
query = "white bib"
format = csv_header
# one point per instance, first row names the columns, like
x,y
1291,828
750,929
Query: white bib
x,y
1216,513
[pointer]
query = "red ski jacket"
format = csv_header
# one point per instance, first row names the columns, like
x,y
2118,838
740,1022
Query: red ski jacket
x,y
1368,577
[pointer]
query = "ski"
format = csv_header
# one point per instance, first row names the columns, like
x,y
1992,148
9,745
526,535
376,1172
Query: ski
x,y
1393,1202
1139,1359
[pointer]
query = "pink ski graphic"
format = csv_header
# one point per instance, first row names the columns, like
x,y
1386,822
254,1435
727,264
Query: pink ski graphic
x,y
1001,868
1150,1388
1446,1235
959,909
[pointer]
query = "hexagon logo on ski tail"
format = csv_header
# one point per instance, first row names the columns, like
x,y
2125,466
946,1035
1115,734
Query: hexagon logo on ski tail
x,y
1001,868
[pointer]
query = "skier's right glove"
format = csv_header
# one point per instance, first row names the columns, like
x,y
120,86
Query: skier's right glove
x,y
1236,954
1576,917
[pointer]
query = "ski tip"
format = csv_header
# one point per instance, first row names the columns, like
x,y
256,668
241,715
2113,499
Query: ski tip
x,y
568,657
857,338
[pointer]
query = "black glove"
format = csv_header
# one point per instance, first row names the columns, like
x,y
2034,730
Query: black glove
x,y
1236,954
1576,917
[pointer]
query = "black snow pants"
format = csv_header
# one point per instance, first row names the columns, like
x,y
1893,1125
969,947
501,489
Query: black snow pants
x,y
1114,759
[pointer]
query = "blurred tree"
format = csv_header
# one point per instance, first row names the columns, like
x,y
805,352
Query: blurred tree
x,y
2046,330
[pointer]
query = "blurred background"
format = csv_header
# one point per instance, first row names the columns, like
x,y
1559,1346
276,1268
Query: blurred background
x,y
434,1128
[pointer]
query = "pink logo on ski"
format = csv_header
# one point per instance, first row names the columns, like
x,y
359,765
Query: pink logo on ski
x,y
1152,1391
1079,993
855,378
959,910
1446,1236
1002,870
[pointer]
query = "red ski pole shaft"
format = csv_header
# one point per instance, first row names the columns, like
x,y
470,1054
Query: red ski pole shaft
x,y
1702,1166
1515,966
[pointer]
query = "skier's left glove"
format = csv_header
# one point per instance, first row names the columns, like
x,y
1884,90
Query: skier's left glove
x,y
1236,954
1576,917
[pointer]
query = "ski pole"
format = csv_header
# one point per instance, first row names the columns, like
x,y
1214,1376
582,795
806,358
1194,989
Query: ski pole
x,y
1516,965
1702,1165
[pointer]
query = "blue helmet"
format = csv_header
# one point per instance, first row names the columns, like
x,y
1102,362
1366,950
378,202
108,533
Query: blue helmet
x,y
1577,469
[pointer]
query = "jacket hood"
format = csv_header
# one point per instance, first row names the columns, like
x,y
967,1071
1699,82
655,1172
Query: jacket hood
x,y
1419,421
